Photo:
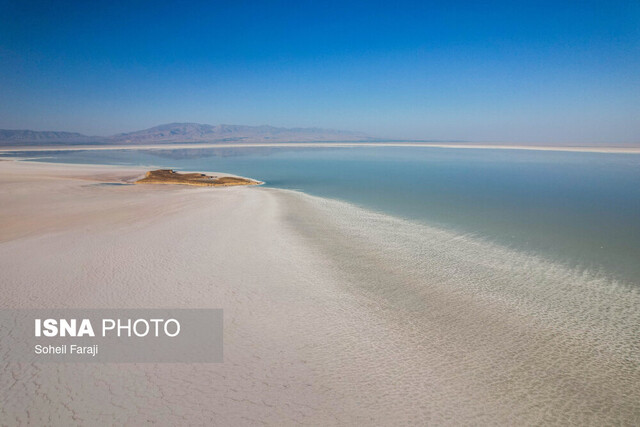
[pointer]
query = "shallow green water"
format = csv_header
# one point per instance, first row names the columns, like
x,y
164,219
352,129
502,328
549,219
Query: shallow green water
x,y
581,209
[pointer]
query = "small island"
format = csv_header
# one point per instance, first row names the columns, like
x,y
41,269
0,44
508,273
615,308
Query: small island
x,y
169,176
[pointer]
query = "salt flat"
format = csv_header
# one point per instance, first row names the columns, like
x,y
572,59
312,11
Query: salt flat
x,y
333,315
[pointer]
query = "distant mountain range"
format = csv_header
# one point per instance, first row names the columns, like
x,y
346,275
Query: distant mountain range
x,y
183,132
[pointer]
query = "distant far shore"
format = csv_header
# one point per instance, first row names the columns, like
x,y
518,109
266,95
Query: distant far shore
x,y
174,146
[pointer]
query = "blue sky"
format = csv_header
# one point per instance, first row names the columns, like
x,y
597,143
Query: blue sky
x,y
552,72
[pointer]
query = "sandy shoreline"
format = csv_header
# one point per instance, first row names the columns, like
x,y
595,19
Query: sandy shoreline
x,y
333,315
175,146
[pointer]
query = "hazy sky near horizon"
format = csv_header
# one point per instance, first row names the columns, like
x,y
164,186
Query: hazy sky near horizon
x,y
484,71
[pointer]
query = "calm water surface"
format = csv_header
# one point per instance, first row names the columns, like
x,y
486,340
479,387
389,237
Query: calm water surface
x,y
581,209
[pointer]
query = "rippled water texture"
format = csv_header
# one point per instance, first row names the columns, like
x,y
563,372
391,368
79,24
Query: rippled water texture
x,y
520,337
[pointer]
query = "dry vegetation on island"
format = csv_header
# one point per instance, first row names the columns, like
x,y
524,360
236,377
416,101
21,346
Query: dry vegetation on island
x,y
169,176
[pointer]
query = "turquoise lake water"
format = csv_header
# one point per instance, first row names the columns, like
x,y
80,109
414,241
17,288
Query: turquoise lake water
x,y
580,209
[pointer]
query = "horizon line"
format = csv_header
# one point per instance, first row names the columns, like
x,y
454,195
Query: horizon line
x,y
486,146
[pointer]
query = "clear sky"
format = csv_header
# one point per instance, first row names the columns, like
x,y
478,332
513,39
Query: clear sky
x,y
483,71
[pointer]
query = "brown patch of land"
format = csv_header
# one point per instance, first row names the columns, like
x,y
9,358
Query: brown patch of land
x,y
169,176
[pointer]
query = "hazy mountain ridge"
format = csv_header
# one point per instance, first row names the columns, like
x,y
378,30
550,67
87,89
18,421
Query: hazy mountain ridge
x,y
184,132
32,135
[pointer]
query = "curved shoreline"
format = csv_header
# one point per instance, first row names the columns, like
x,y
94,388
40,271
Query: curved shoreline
x,y
489,309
